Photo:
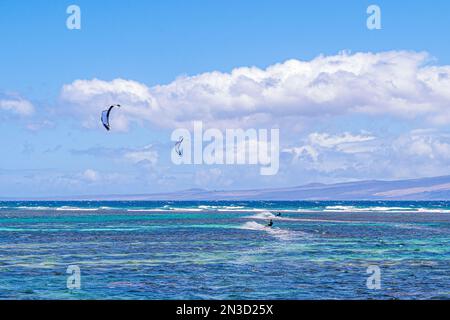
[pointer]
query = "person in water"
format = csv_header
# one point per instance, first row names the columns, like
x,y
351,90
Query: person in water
x,y
278,214
270,223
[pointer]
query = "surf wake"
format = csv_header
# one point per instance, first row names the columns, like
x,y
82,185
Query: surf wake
x,y
281,234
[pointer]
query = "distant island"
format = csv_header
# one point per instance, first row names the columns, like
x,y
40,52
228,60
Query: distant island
x,y
436,188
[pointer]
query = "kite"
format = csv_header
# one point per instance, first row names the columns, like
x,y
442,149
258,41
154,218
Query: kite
x,y
178,149
105,116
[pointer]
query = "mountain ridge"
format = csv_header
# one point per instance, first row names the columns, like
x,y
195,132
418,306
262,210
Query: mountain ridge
x,y
431,188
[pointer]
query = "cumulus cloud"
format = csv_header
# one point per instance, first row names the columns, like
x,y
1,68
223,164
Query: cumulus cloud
x,y
317,143
397,83
345,142
303,151
424,144
91,97
17,106
412,154
91,175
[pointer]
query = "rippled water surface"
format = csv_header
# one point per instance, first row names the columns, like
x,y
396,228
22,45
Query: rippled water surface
x,y
223,250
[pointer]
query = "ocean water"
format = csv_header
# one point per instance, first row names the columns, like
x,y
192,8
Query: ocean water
x,y
223,250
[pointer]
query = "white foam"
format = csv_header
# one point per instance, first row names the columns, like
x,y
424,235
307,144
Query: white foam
x,y
186,209
241,210
369,209
263,215
433,210
148,210
269,215
276,232
252,225
208,207
223,208
67,208
166,210
63,208
34,208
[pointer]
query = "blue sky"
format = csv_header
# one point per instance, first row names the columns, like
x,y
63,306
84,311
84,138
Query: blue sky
x,y
55,151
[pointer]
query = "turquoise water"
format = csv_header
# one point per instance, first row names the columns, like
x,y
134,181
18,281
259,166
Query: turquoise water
x,y
222,250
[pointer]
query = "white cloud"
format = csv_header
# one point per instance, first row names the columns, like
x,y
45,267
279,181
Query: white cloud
x,y
300,152
318,143
417,153
91,97
424,144
18,106
397,83
325,153
146,154
342,142
40,124
91,175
